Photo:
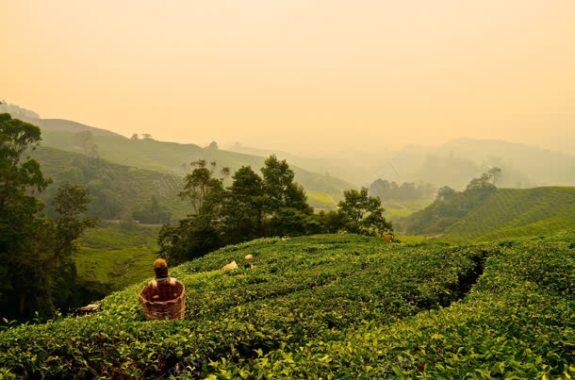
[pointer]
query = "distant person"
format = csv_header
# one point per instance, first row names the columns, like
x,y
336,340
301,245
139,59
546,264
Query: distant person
x,y
249,261
163,297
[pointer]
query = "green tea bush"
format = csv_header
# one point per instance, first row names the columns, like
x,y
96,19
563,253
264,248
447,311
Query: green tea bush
x,y
329,306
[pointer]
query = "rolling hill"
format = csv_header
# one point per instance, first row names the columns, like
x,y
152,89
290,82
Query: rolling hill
x,y
455,163
504,213
329,306
519,213
167,157
113,256
116,190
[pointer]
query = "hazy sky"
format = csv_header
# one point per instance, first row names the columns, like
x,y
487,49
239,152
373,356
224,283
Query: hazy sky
x,y
295,73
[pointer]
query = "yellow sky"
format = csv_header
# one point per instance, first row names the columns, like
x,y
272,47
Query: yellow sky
x,y
296,73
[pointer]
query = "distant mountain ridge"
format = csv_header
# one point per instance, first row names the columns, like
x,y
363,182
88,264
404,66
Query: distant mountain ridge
x,y
62,125
453,164
457,162
173,158
165,157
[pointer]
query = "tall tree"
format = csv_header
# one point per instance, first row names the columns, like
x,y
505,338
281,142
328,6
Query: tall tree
x,y
200,232
244,206
280,189
35,252
285,202
71,203
199,184
23,263
363,214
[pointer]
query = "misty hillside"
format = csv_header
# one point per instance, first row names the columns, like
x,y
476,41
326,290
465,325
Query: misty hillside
x,y
116,190
67,126
501,213
519,212
352,165
457,162
539,166
172,158
453,164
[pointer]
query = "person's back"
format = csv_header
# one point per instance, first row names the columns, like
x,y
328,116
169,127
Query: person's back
x,y
163,297
163,289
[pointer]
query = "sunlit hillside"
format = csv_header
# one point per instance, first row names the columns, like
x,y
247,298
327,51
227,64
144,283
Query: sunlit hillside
x,y
512,213
332,307
504,213
165,157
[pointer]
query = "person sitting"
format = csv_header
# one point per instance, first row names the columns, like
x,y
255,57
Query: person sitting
x,y
163,297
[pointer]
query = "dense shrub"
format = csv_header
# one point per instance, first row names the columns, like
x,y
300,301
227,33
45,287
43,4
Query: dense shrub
x,y
330,306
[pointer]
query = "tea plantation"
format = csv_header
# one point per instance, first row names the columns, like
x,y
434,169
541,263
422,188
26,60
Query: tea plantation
x,y
330,306
111,257
519,212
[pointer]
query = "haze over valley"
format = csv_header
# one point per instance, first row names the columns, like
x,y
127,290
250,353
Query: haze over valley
x,y
287,189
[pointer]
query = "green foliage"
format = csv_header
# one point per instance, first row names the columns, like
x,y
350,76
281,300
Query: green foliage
x,y
243,206
330,306
153,213
254,206
37,273
280,189
362,214
519,213
251,207
25,256
168,158
407,191
200,184
110,258
200,232
450,206
70,202
191,238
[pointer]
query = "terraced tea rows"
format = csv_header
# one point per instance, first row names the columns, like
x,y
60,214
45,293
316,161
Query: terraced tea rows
x,y
330,306
518,212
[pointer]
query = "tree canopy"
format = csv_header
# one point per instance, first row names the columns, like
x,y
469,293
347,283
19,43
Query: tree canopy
x,y
451,205
363,214
36,272
253,206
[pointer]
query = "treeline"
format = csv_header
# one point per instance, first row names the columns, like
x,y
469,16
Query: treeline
x,y
255,206
450,205
406,191
37,274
